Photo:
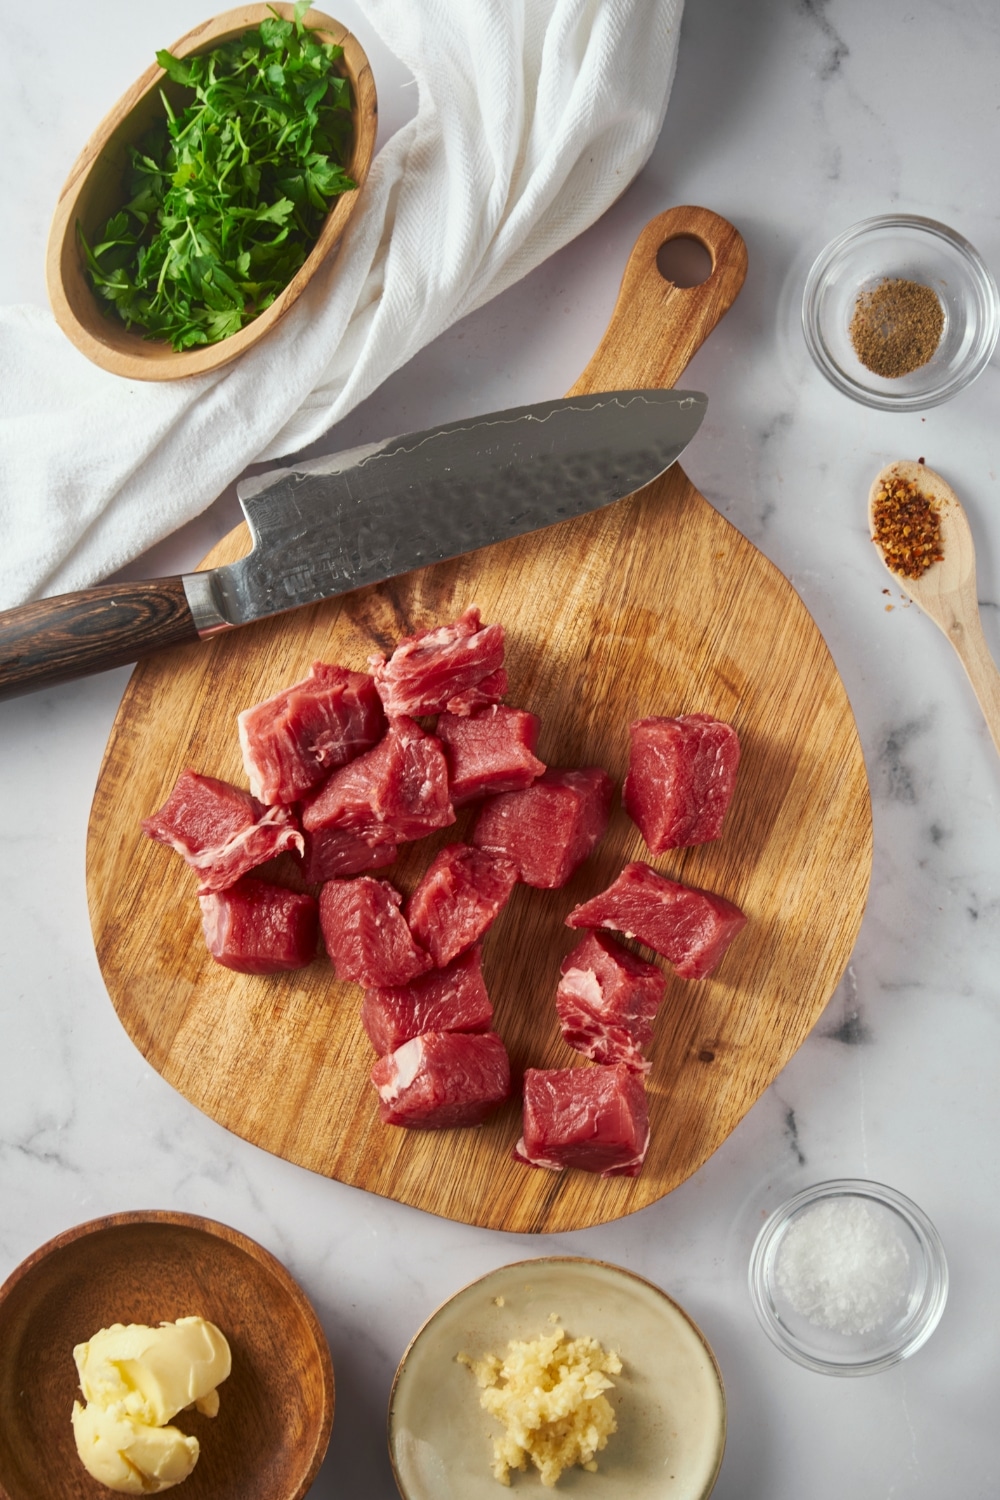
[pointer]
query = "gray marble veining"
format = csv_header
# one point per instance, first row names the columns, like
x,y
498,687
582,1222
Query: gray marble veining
x,y
793,118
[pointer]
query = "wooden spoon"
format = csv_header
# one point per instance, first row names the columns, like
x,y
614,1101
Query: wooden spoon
x,y
947,590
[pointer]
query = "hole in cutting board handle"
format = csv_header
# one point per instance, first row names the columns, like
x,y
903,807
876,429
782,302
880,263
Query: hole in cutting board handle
x,y
684,261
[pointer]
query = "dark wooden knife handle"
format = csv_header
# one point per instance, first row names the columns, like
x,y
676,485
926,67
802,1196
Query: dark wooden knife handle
x,y
72,635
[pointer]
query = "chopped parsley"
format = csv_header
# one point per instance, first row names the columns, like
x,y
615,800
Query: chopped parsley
x,y
227,195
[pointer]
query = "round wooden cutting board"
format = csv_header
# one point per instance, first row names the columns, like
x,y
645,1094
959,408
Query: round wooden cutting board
x,y
655,605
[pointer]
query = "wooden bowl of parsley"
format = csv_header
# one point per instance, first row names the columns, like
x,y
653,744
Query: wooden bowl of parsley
x,y
203,203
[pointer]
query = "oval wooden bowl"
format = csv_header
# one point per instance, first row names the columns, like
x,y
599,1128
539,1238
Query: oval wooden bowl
x,y
93,191
276,1408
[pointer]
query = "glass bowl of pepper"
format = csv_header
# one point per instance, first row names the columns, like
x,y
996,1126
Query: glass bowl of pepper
x,y
900,312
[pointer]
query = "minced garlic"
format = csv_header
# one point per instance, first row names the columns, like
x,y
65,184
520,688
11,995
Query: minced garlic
x,y
549,1394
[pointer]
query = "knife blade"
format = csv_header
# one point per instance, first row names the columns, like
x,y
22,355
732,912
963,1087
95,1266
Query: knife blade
x,y
327,526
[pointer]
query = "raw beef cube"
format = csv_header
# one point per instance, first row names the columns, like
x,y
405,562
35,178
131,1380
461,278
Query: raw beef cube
x,y
451,999
690,927
201,813
591,1118
394,792
606,1001
459,897
441,1079
259,928
681,775
334,852
291,741
428,670
366,934
490,690
221,830
489,751
550,827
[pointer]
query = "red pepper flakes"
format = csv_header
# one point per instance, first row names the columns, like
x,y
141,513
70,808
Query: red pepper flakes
x,y
907,528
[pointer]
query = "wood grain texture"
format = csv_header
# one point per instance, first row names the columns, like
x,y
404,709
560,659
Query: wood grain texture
x,y
54,640
655,605
275,1409
93,191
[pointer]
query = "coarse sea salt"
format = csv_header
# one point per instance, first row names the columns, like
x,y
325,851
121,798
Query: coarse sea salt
x,y
843,1267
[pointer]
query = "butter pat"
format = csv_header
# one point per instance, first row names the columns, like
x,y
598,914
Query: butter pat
x,y
131,1456
135,1380
153,1373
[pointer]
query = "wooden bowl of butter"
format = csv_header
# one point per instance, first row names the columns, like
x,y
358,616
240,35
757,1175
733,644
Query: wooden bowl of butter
x,y
259,1421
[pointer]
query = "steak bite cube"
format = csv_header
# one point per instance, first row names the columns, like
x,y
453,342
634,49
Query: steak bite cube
x,y
451,999
442,1079
434,667
221,830
489,751
550,827
593,1118
690,927
291,741
395,792
485,693
680,780
607,1000
332,853
201,813
366,934
459,897
259,928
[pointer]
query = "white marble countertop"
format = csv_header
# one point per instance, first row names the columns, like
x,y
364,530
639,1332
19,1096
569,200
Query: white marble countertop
x,y
794,119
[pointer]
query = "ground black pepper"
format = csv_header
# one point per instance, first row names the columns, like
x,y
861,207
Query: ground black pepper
x,y
896,327
907,528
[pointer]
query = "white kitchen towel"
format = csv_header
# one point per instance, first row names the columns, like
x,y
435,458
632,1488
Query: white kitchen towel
x,y
532,117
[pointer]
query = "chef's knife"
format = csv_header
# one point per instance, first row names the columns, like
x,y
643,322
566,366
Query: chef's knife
x,y
330,525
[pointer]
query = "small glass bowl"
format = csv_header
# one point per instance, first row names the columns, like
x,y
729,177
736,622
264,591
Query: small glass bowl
x,y
910,248
829,1350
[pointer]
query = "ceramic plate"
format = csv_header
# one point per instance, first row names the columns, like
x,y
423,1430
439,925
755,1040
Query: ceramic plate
x,y
669,1398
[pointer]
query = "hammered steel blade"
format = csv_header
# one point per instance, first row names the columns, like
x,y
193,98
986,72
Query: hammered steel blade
x,y
333,524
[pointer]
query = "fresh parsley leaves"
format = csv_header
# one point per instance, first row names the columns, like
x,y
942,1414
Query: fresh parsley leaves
x,y
228,195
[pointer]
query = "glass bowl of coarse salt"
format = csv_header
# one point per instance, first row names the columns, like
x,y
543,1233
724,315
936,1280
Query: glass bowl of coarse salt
x,y
848,1277
900,312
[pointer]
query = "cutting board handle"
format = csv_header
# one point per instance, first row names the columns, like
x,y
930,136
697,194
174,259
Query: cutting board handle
x,y
657,327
